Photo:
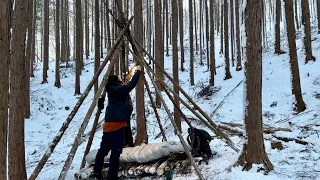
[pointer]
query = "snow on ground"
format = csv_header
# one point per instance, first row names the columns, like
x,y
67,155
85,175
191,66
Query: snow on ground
x,y
296,161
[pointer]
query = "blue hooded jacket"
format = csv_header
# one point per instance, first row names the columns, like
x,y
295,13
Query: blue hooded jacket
x,y
120,107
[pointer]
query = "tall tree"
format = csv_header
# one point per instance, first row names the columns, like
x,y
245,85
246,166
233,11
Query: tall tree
x,y
212,48
195,25
86,19
141,121
159,42
175,65
4,84
299,104
237,9
296,14
96,42
45,41
17,167
226,41
201,28
191,43
318,15
277,49
26,95
253,149
33,47
78,45
166,5
181,34
207,33
221,31
57,80
232,31
307,30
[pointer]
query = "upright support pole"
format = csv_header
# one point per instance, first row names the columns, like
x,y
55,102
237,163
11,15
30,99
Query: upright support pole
x,y
155,110
65,125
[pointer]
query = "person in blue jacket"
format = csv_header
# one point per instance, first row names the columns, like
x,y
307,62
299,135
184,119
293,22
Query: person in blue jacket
x,y
118,113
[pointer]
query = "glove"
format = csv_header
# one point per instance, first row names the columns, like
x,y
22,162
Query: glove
x,y
101,103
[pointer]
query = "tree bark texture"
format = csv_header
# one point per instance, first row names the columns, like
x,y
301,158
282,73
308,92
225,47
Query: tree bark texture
x,y
17,167
4,84
299,104
191,43
57,74
45,42
307,30
96,42
141,120
181,34
239,65
212,48
253,149
226,41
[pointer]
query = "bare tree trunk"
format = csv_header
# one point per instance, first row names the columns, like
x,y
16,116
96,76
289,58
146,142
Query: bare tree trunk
x,y
166,5
195,25
108,25
239,65
175,60
212,48
86,19
277,49
32,57
232,31
101,30
221,31
67,34
181,34
4,84
16,161
299,104
191,43
318,15
200,29
63,34
45,42
207,34
26,96
159,42
226,41
141,121
253,149
78,45
57,80
96,42
307,30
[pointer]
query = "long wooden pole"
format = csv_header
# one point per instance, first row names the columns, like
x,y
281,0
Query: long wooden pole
x,y
155,110
178,133
85,122
92,132
65,125
220,133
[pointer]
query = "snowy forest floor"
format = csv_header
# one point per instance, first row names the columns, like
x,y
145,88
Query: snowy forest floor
x,y
295,161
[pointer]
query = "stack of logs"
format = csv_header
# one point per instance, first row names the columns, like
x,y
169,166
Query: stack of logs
x,y
179,164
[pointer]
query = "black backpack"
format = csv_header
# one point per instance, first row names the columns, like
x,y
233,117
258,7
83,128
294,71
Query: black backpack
x,y
199,140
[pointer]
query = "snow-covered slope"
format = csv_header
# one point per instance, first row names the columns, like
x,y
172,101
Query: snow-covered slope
x,y
295,161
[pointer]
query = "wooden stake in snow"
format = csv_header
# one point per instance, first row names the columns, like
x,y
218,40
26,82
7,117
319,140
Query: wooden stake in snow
x,y
65,125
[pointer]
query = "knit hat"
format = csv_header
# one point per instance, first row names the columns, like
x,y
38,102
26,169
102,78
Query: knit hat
x,y
113,79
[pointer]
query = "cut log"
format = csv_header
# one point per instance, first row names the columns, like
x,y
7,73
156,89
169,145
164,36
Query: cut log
x,y
154,167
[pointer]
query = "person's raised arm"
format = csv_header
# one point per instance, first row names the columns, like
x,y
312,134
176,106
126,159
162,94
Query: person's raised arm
x,y
134,81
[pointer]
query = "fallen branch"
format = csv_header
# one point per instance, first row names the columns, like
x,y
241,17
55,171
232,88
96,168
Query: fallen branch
x,y
225,97
285,139
297,115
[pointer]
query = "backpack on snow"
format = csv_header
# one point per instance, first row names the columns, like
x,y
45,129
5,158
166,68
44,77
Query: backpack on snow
x,y
199,140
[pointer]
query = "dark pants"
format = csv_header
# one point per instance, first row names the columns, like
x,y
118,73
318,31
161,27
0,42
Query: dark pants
x,y
110,141
128,135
